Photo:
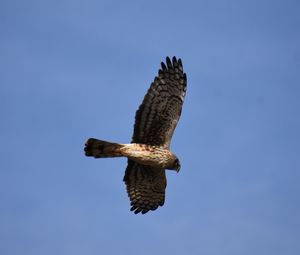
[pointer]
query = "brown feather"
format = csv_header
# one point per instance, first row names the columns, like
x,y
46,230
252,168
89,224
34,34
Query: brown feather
x,y
157,116
145,186
155,121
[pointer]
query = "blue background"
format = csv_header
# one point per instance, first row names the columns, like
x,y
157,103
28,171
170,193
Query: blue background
x,y
70,70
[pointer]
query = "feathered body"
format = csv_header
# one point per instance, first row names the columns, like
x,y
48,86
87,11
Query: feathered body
x,y
149,154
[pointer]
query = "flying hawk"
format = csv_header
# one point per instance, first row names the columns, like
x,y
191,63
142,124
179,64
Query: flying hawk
x,y
149,152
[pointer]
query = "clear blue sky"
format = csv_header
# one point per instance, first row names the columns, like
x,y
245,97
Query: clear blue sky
x,y
70,70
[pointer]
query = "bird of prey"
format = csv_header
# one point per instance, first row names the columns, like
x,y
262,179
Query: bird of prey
x,y
149,152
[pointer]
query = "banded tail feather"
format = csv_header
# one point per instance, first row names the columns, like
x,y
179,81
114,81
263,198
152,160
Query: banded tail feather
x,y
102,149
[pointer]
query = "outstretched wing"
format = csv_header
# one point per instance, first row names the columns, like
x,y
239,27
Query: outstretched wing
x,y
155,121
157,116
145,186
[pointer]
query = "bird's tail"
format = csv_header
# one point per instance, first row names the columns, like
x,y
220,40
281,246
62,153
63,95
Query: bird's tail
x,y
102,149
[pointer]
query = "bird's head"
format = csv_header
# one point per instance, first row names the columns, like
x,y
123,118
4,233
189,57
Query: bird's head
x,y
175,165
